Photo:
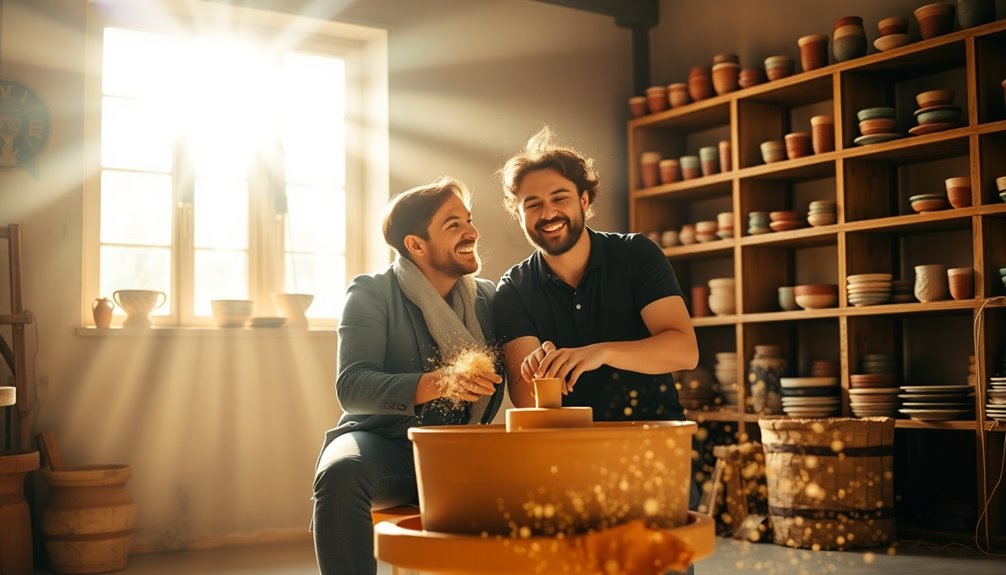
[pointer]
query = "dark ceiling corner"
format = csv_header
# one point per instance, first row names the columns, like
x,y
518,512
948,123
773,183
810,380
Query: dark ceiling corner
x,y
636,15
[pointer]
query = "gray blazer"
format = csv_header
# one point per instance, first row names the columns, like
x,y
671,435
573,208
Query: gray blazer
x,y
384,346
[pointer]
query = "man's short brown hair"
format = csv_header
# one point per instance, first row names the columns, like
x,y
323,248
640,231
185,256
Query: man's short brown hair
x,y
410,212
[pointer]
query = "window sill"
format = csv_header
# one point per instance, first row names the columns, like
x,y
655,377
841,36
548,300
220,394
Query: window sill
x,y
209,332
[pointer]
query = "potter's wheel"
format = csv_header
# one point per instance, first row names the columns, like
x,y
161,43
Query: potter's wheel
x,y
404,543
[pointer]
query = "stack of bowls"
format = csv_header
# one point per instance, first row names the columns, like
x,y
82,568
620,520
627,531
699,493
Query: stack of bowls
x,y
726,374
869,289
709,160
893,33
848,39
700,83
773,151
758,223
972,370
936,112
822,213
778,67
876,124
751,77
935,19
722,296
959,191
677,94
874,392
995,408
797,145
934,202
816,296
726,69
690,168
705,231
785,220
903,291
695,388
810,396
725,225
687,234
1002,275
1001,186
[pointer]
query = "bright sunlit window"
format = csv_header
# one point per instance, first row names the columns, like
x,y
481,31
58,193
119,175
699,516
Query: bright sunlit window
x,y
231,165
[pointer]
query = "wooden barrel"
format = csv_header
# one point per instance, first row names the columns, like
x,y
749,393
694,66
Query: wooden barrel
x,y
88,521
15,540
830,481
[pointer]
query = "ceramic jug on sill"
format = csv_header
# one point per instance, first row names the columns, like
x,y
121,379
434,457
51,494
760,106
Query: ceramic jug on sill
x,y
102,310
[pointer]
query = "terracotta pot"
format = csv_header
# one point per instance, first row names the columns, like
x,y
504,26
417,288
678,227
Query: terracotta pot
x,y
700,301
638,106
726,156
935,19
797,145
893,25
822,134
959,192
961,282
670,171
677,94
700,84
813,51
649,169
506,481
725,77
656,99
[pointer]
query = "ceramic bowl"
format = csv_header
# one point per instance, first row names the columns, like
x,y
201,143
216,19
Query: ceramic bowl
x,y
935,19
815,289
950,115
722,304
231,312
848,47
875,112
959,192
787,299
138,301
818,220
930,205
1002,272
293,306
784,215
773,151
877,126
935,98
891,41
816,301
892,25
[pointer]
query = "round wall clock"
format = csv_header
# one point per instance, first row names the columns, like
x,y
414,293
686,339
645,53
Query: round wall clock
x,y
24,127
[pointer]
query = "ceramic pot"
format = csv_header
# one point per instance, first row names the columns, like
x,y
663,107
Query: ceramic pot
x,y
642,467
101,309
961,282
975,12
700,83
822,134
638,106
138,303
677,94
931,282
813,51
935,19
700,301
649,169
765,381
656,99
670,171
726,156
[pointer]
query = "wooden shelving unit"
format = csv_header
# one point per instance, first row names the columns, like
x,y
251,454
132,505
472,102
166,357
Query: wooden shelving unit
x,y
876,231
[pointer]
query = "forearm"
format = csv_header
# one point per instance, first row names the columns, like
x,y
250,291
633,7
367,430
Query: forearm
x,y
665,352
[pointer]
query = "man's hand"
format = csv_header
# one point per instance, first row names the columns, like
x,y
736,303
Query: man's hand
x,y
466,386
567,364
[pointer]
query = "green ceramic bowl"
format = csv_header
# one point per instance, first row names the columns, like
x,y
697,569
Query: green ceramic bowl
x,y
875,112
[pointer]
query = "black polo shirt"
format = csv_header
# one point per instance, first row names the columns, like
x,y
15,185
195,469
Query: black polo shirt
x,y
625,273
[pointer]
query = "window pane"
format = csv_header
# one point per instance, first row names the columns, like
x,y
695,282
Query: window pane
x,y
139,64
135,135
136,208
219,275
321,275
314,131
221,213
136,268
316,220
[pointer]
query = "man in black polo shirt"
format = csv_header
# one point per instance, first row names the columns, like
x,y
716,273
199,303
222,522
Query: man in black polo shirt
x,y
603,311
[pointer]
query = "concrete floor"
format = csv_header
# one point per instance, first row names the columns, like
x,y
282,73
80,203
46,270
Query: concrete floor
x,y
731,556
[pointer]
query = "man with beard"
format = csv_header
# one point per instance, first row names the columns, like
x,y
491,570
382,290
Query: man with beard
x,y
602,311
414,346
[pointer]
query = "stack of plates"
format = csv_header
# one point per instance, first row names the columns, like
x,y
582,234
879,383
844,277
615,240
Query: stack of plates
x,y
996,396
810,396
938,402
903,291
869,289
874,393
726,375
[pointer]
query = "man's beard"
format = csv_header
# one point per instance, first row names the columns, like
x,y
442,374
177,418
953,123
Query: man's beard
x,y
561,244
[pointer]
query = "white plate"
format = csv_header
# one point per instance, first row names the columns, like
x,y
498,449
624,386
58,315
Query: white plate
x,y
937,388
874,390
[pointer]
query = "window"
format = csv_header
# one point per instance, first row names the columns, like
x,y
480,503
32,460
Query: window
x,y
240,152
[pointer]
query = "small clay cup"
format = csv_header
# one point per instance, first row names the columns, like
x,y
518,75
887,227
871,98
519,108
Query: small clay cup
x,y
725,77
726,156
822,134
700,83
935,19
931,283
649,169
690,167
778,67
656,99
797,145
709,158
700,301
959,192
751,77
773,151
670,171
813,51
638,106
677,94
961,282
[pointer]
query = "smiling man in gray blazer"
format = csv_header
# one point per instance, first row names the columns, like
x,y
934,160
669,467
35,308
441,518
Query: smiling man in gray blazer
x,y
415,348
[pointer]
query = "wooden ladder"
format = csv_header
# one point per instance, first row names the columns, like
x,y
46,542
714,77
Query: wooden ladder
x,y
17,435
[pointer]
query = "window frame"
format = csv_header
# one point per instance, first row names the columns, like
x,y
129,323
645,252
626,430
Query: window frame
x,y
363,49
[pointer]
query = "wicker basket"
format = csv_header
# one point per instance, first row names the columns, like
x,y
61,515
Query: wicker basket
x,y
830,481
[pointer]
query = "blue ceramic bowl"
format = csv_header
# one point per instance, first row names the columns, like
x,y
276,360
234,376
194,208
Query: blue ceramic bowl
x,y
938,116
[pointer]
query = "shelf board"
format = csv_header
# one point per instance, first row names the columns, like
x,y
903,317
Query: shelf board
x,y
706,186
923,57
935,307
715,320
955,218
812,167
692,117
914,149
702,249
796,90
803,314
803,237
724,415
993,127
915,424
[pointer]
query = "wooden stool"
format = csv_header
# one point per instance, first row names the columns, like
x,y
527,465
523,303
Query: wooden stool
x,y
378,515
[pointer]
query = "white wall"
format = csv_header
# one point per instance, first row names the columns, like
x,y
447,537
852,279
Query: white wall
x,y
222,430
